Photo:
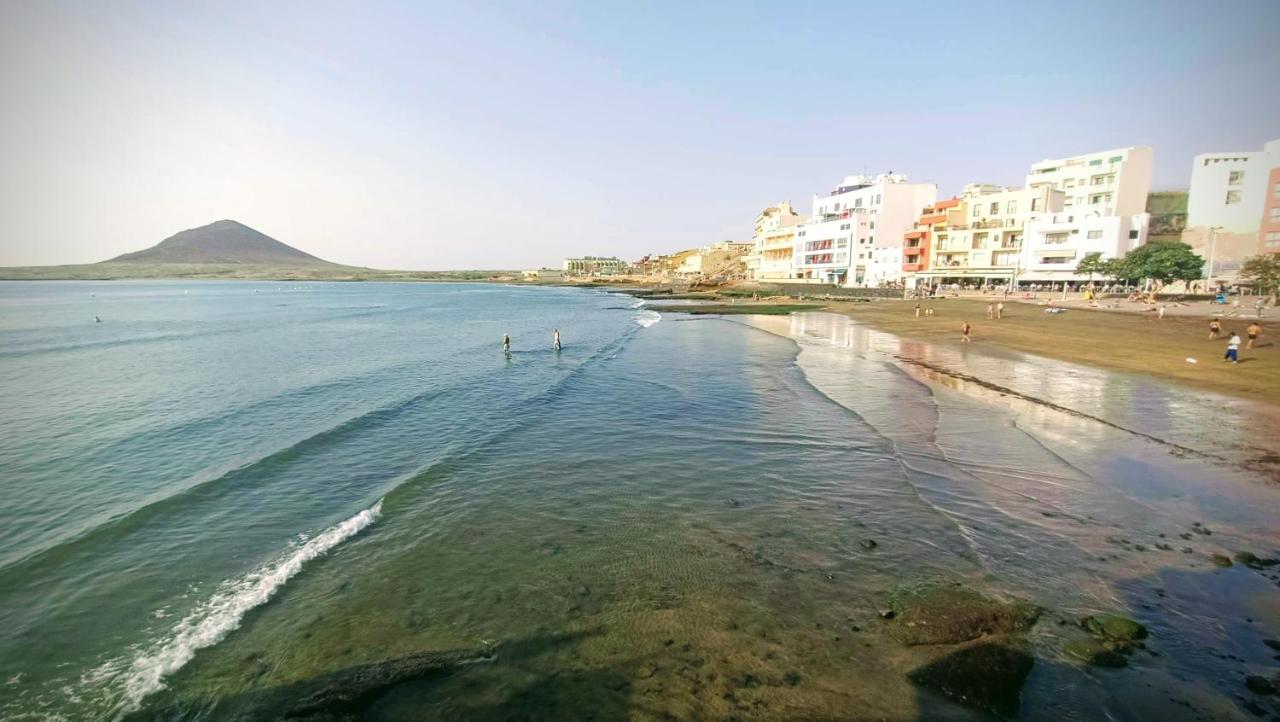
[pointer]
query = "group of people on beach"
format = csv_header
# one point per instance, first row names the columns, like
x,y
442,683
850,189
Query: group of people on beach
x,y
555,342
1253,331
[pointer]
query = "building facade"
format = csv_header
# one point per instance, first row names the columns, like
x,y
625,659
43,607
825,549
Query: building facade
x,y
595,266
855,235
773,243
1229,210
1103,210
721,260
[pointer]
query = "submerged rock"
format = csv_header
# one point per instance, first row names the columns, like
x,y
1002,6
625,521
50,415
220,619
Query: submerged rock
x,y
1221,560
1259,684
1091,651
950,615
1114,627
988,676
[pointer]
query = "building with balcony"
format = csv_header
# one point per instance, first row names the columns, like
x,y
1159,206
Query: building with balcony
x,y
773,243
1103,210
979,240
1231,208
595,266
917,242
855,235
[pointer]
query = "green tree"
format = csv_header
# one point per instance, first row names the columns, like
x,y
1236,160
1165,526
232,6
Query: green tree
x,y
1263,271
1091,264
1161,262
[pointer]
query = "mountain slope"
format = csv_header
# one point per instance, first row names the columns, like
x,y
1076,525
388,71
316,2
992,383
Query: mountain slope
x,y
222,242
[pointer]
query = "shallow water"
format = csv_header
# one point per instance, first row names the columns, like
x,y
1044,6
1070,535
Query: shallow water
x,y
225,492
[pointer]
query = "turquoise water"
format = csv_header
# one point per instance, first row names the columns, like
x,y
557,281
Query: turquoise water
x,y
224,492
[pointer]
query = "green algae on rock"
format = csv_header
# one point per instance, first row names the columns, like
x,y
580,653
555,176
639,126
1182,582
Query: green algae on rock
x,y
936,614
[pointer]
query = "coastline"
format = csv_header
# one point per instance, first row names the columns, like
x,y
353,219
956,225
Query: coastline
x,y
1124,342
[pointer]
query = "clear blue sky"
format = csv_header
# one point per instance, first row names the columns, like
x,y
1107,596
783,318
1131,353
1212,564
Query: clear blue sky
x,y
463,135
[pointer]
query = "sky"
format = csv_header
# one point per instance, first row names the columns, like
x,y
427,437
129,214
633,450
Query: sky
x,y
474,135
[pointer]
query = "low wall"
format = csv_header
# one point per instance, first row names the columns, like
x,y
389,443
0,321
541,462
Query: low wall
x,y
819,291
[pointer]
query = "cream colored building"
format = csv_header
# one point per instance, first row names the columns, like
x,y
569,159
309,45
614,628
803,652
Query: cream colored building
x,y
722,260
773,243
982,243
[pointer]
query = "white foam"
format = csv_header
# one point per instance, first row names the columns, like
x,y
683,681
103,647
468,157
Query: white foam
x,y
648,318
134,679
638,304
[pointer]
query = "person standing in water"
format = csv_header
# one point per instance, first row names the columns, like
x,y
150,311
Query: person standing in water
x,y
555,344
506,343
964,332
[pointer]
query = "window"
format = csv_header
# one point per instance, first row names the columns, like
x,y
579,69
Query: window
x,y
1133,235
801,233
1035,204
1273,236
1116,159
873,225
1098,180
1233,197
1235,178
1095,235
1012,207
1276,190
1096,161
857,203
835,208
877,199
995,208
976,210
1055,238
1069,183
1275,213
1055,260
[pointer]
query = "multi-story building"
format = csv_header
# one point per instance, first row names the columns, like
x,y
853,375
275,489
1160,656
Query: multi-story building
x,y
773,243
1231,209
855,235
595,266
979,237
917,242
1103,210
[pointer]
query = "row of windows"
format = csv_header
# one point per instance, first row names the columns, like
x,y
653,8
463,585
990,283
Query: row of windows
x,y
1207,161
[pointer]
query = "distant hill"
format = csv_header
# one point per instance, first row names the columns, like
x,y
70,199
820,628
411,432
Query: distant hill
x,y
223,242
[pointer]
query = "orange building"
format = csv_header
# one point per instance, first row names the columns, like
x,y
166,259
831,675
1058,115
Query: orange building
x,y
916,242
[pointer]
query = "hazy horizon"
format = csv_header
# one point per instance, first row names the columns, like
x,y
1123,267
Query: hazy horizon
x,y
394,135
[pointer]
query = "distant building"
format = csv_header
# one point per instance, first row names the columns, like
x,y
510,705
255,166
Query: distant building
x,y
722,260
773,243
855,235
1233,210
1104,201
595,266
543,274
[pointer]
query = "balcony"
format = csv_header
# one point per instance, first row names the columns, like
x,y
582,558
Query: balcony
x,y
912,267
932,218
914,235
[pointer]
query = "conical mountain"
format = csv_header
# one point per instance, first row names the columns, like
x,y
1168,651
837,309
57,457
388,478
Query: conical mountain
x,y
222,242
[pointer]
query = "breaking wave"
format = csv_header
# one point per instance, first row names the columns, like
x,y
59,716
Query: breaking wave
x,y
133,679
648,318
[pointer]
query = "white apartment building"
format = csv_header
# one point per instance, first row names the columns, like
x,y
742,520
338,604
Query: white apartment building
x,y
1104,200
773,243
854,237
1225,207
985,246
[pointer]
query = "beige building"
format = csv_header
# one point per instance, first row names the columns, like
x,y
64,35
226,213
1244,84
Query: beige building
x,y
773,243
722,260
595,266
981,242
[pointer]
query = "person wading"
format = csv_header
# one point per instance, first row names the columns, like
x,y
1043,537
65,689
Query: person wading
x,y
964,332
555,343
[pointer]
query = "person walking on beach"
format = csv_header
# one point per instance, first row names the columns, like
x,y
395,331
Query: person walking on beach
x,y
1233,349
964,332
555,344
1000,310
1160,311
1215,328
991,311
917,310
506,343
1252,332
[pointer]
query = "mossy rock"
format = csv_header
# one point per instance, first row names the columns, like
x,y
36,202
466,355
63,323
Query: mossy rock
x,y
952,614
987,676
1093,652
1114,627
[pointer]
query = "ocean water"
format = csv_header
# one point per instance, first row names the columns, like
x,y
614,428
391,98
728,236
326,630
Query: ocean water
x,y
224,497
